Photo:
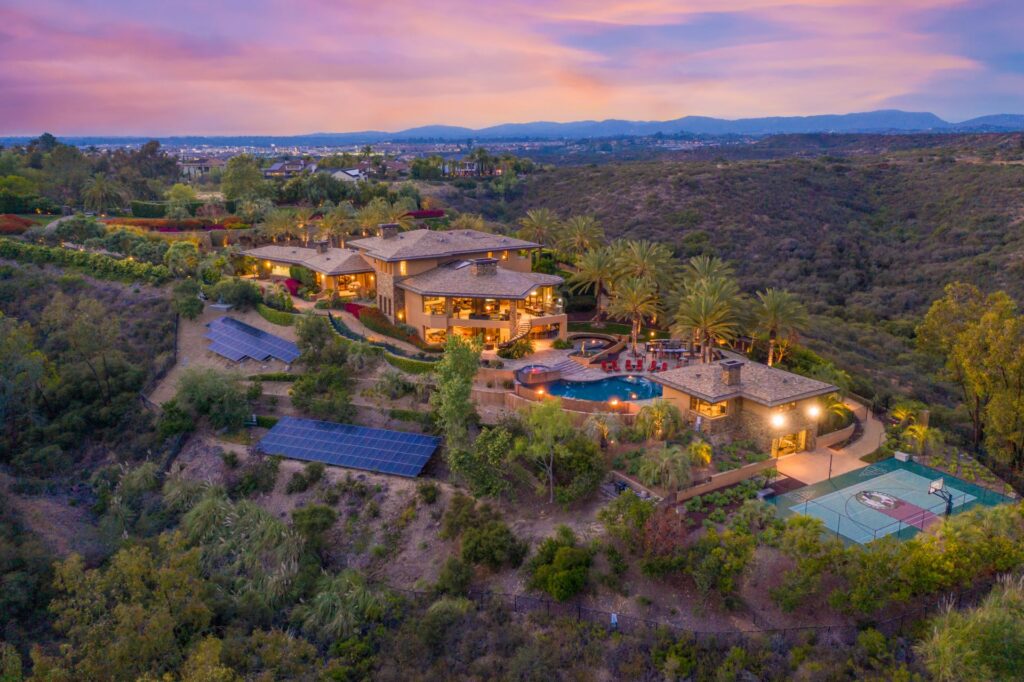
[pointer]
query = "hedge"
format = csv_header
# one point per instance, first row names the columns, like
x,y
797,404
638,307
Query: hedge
x,y
266,422
276,316
423,418
274,376
408,364
158,209
186,225
94,264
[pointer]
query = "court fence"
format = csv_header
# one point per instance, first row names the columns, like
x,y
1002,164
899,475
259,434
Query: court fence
x,y
902,624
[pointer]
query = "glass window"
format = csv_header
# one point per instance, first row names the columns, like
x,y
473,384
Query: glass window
x,y
401,268
709,410
433,305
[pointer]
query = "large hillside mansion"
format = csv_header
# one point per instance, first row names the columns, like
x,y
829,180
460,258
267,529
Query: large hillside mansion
x,y
462,282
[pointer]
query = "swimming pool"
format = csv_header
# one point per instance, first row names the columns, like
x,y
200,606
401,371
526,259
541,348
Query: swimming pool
x,y
623,388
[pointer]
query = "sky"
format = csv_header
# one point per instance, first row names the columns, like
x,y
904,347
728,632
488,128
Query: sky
x,y
278,67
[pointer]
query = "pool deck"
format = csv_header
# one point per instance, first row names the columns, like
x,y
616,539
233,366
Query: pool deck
x,y
561,360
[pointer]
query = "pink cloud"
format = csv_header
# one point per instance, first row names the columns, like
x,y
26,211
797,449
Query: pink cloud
x,y
269,66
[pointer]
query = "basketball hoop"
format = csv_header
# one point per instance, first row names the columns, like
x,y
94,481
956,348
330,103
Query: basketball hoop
x,y
938,488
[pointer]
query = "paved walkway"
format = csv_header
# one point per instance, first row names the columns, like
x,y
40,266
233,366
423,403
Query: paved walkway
x,y
818,464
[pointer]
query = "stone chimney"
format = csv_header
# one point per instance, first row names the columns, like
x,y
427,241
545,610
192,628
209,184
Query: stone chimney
x,y
321,246
485,267
389,230
731,372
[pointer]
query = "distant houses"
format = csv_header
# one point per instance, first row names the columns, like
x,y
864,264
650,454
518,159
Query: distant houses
x,y
194,169
289,169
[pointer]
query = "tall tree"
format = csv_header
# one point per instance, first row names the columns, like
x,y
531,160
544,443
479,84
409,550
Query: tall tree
x,y
644,259
780,317
634,300
668,467
579,234
709,314
102,193
549,430
948,326
243,179
539,225
452,400
594,270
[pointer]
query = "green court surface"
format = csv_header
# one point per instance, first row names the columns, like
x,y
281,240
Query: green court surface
x,y
886,498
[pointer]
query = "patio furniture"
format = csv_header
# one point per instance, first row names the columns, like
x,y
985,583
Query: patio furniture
x,y
615,366
629,365
653,367
664,367
604,366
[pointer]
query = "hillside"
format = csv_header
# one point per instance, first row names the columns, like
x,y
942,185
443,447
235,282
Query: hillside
x,y
867,241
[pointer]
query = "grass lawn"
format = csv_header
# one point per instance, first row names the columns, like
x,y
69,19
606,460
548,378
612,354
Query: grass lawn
x,y
616,328
40,219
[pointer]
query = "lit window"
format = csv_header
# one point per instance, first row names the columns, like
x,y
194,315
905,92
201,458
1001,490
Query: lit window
x,y
504,255
401,267
709,410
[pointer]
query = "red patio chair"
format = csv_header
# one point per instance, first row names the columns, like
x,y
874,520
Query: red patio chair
x,y
653,367
664,367
629,365
604,365
615,366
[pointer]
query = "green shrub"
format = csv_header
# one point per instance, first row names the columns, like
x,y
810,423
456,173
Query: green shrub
x,y
517,349
274,376
454,578
95,265
428,492
174,420
259,475
424,418
560,568
308,477
561,344
408,364
240,293
266,422
375,320
492,544
276,316
462,514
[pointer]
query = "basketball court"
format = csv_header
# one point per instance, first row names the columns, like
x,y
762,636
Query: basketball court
x,y
887,498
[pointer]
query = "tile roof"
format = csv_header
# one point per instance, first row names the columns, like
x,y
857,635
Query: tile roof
x,y
759,383
457,279
331,262
416,244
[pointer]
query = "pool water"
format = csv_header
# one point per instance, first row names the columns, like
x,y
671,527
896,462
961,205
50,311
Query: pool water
x,y
623,388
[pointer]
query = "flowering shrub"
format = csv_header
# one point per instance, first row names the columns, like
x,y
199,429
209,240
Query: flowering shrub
x,y
184,225
12,224
374,319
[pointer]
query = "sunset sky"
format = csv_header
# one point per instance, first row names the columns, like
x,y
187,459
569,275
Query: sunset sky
x,y
142,67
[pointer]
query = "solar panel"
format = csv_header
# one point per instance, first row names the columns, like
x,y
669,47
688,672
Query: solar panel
x,y
236,340
347,445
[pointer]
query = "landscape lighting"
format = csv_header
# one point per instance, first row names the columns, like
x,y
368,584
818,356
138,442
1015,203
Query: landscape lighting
x,y
814,411
778,420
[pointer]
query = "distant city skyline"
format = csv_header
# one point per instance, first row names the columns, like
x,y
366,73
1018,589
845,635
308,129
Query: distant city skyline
x,y
274,67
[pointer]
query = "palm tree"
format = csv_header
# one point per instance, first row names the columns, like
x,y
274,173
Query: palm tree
x,y
633,300
338,223
602,427
922,437
580,233
667,467
539,225
644,259
303,219
594,269
704,268
372,214
101,193
709,314
699,452
279,223
904,413
781,317
342,606
660,419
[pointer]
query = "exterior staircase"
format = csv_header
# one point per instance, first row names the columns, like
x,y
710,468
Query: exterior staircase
x,y
522,331
568,368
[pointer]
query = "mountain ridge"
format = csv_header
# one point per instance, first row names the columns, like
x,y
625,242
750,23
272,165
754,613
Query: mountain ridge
x,y
879,121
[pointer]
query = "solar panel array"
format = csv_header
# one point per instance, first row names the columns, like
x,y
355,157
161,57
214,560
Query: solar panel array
x,y
357,447
237,340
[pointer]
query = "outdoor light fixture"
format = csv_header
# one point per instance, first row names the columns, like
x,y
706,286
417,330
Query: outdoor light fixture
x,y
778,420
814,411
540,391
613,402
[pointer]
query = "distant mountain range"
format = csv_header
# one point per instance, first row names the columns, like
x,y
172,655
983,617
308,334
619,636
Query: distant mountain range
x,y
883,121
